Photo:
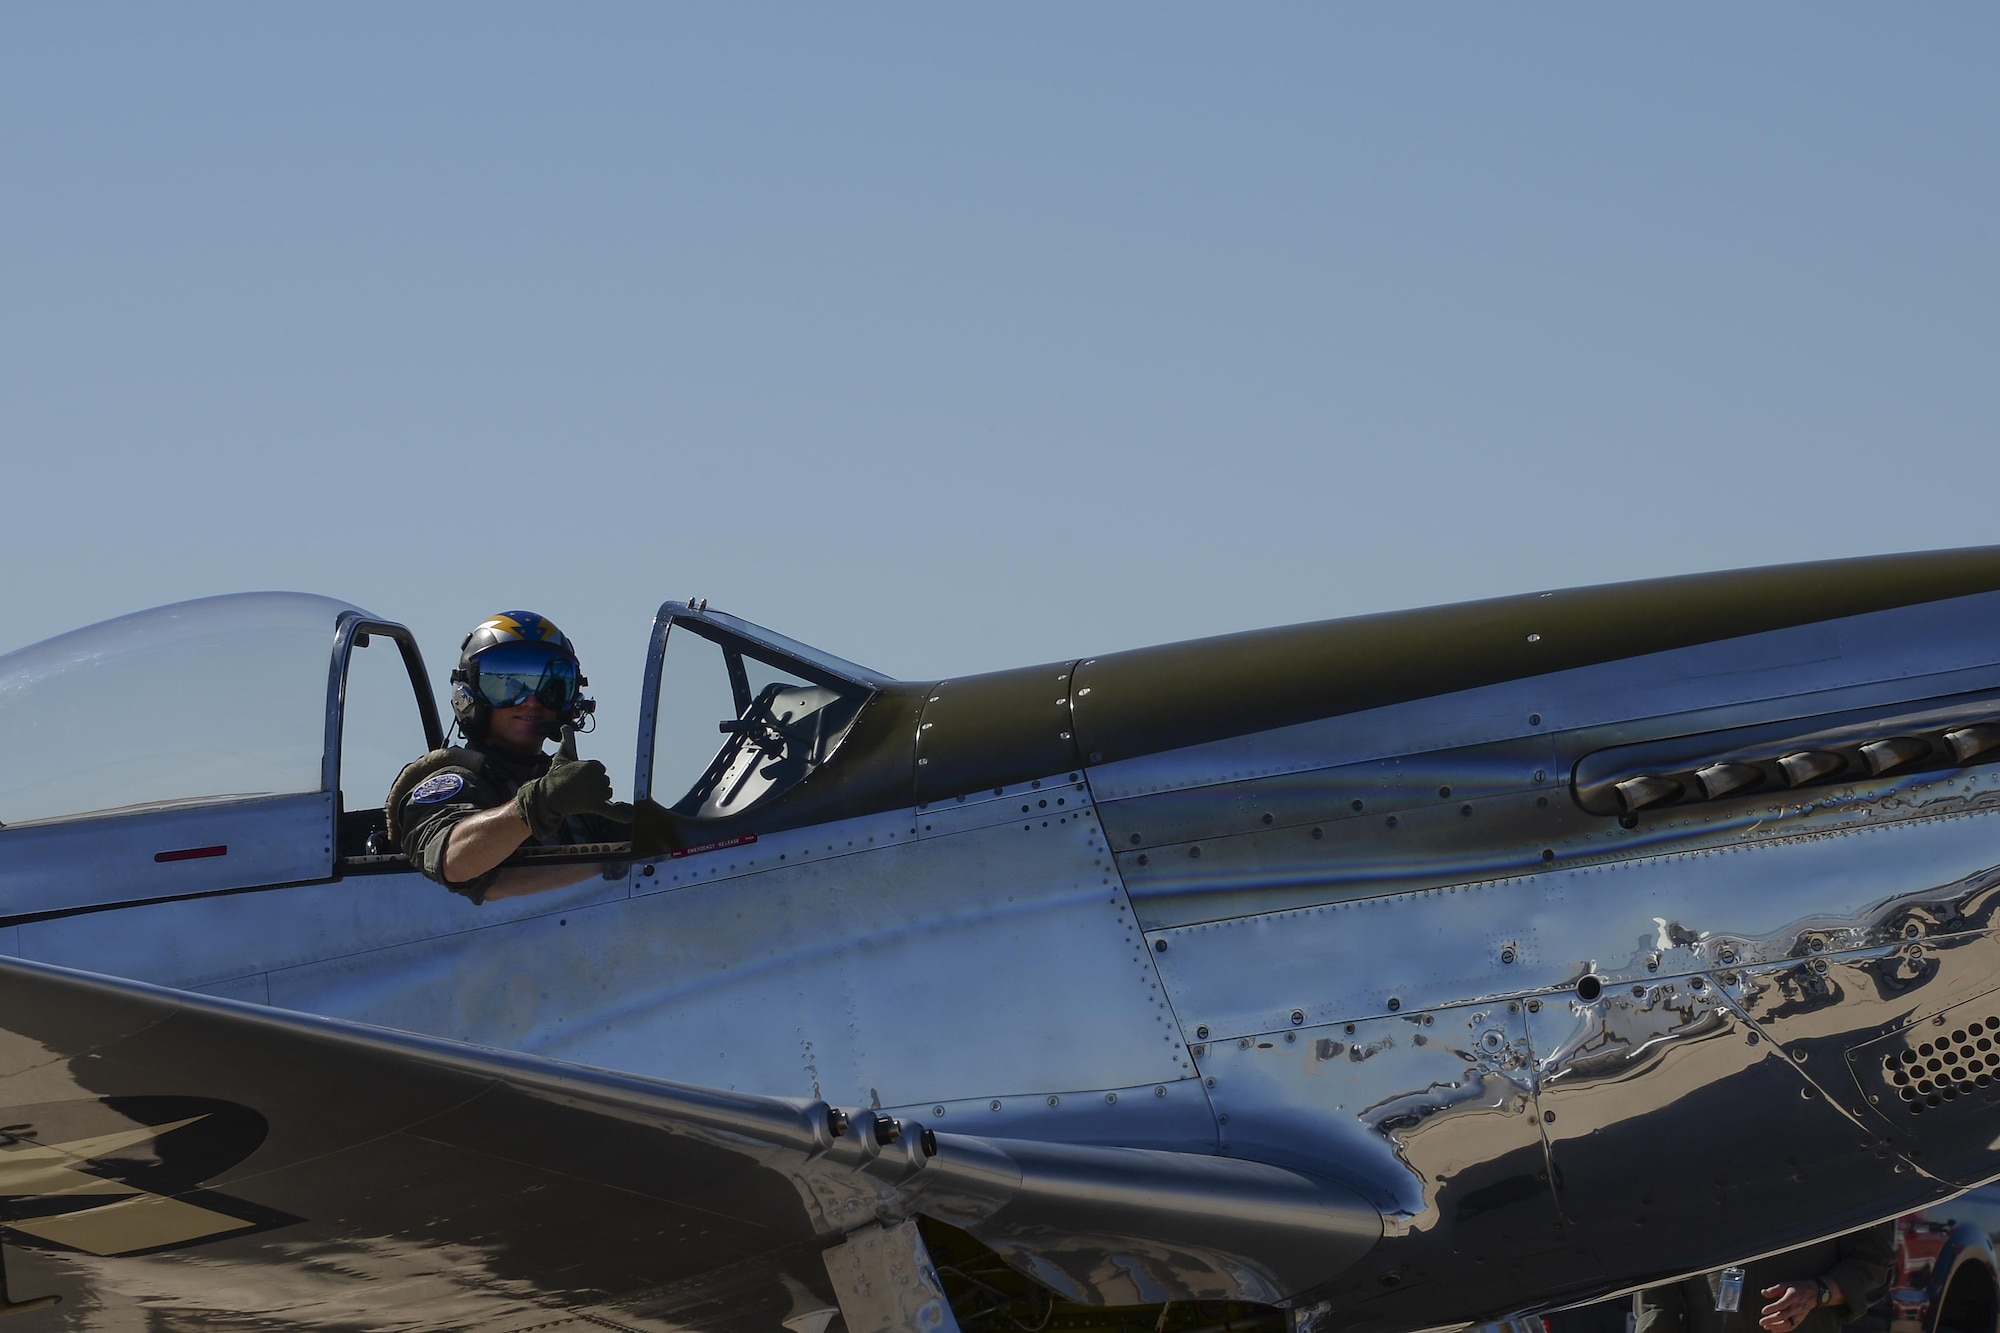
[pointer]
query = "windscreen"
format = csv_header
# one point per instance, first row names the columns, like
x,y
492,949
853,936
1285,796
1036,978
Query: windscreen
x,y
733,728
200,701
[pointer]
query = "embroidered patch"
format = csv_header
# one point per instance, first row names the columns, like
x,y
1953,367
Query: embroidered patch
x,y
437,787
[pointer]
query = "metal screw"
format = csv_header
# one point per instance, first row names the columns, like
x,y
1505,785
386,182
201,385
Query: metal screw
x,y
1298,1017
1110,1098
1160,1091
993,1106
1507,955
1159,946
1202,1032
1053,1101
1394,1004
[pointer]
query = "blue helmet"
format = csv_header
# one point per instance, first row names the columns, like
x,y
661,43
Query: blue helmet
x,y
508,659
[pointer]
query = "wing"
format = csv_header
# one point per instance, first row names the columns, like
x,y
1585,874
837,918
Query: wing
x,y
203,1160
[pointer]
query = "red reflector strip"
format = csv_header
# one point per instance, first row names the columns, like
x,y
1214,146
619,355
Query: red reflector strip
x,y
743,841
191,853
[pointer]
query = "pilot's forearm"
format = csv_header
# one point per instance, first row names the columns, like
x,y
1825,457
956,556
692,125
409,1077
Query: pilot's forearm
x,y
520,881
478,842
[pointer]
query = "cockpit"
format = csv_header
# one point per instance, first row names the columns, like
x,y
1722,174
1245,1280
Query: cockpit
x,y
249,740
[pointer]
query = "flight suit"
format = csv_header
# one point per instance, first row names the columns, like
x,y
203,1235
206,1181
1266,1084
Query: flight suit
x,y
437,791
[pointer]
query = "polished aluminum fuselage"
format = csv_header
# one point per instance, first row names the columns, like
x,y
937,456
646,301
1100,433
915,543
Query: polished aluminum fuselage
x,y
1386,947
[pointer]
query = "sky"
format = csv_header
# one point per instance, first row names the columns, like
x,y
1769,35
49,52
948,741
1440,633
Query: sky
x,y
951,338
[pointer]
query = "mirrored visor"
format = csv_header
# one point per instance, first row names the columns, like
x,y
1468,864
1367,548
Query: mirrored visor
x,y
511,673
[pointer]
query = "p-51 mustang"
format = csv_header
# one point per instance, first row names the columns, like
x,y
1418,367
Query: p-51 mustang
x,y
1376,974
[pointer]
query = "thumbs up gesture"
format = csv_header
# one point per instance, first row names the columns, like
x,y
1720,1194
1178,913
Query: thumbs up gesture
x,y
572,786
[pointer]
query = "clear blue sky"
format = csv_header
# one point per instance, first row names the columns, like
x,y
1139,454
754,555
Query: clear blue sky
x,y
952,338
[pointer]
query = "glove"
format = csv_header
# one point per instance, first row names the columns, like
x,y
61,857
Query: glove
x,y
572,786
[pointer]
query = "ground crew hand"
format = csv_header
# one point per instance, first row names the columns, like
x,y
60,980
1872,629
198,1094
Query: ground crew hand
x,y
572,786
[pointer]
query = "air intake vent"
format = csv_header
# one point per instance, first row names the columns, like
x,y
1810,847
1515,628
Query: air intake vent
x,y
1948,1066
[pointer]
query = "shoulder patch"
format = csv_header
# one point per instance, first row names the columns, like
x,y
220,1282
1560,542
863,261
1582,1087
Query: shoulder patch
x,y
437,787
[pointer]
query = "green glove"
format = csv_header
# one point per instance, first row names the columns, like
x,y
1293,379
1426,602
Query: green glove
x,y
572,786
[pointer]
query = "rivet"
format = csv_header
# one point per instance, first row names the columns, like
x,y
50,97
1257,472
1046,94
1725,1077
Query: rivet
x,y
1291,1036
993,1106
1465,809
1357,806
1222,1119
1534,719
1055,1101
1548,854
1142,858
1110,1099
1444,793
1159,946
1319,833
1392,821
1243,1043
646,870
937,1110
1534,1006
1096,756
1195,852
1160,1091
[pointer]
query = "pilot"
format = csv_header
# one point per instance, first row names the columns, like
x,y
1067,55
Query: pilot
x,y
459,812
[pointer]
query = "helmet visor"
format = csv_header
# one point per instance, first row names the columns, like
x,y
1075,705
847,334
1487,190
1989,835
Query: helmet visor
x,y
512,673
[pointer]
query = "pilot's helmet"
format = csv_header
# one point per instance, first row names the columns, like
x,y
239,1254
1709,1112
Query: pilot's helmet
x,y
506,660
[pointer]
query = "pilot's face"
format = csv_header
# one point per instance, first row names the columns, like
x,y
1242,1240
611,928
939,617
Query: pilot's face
x,y
521,728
